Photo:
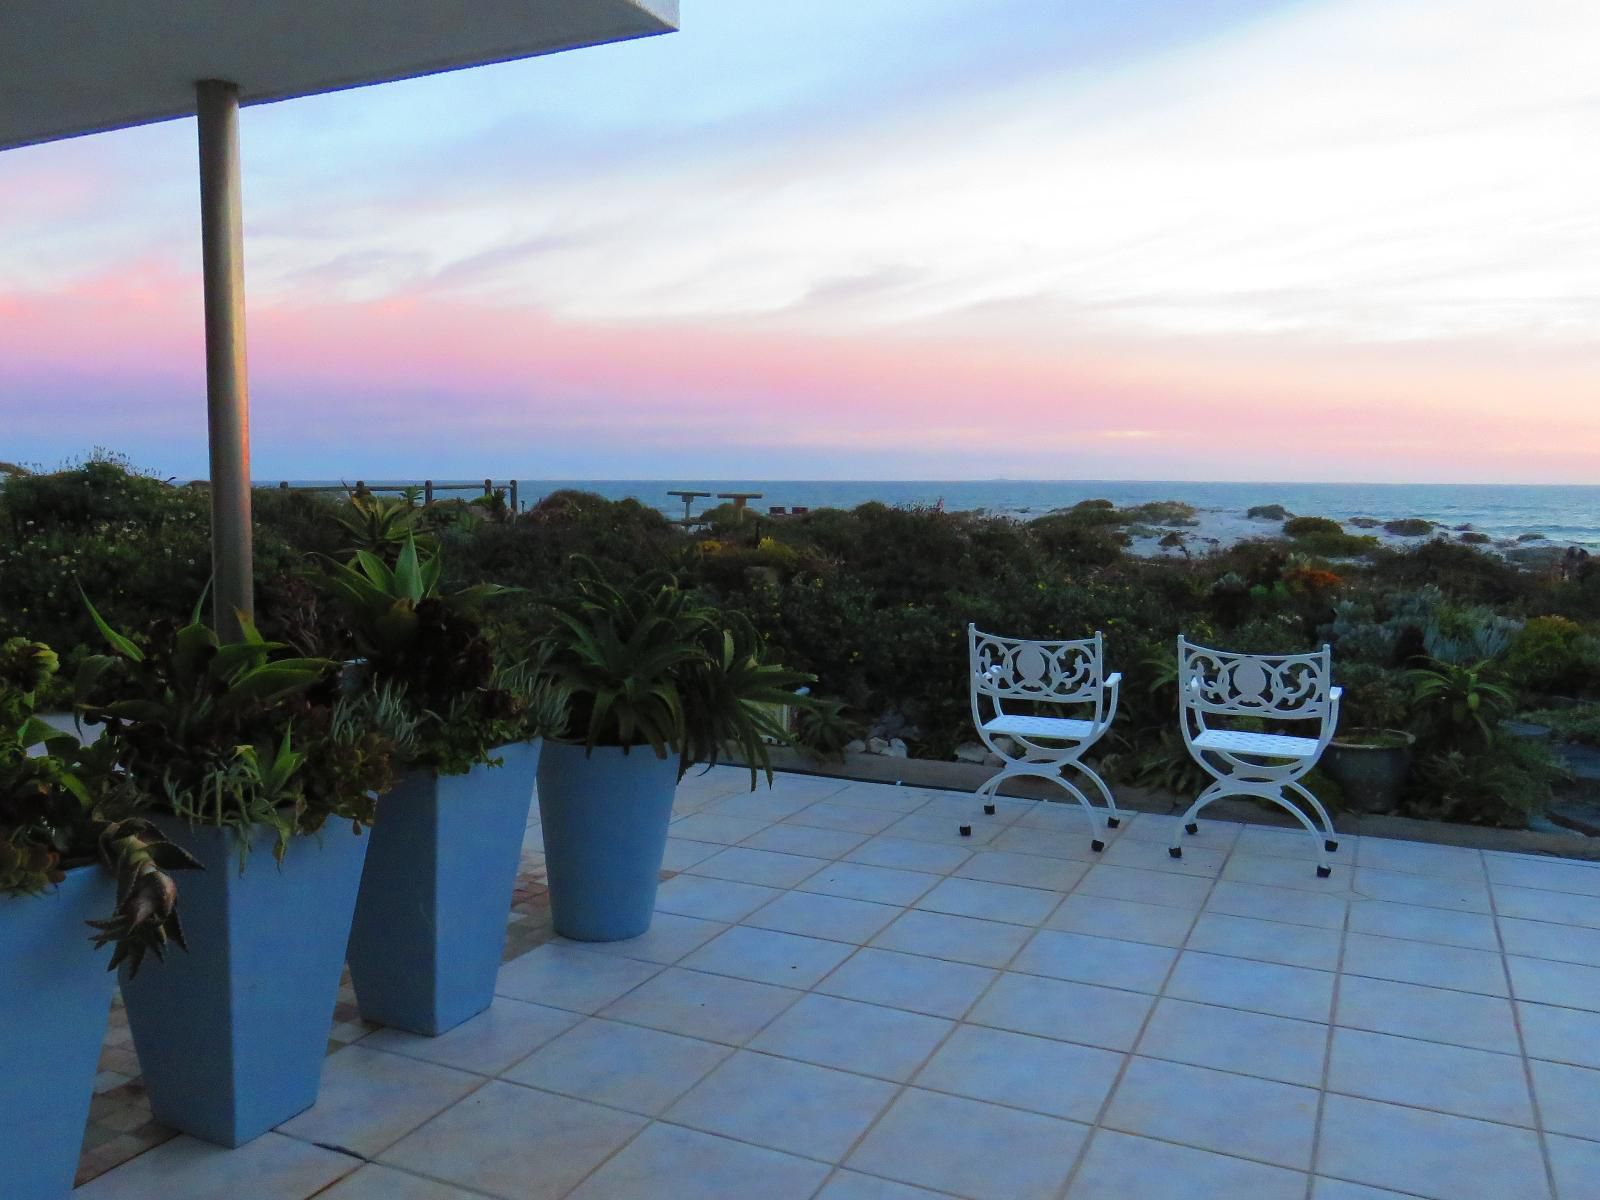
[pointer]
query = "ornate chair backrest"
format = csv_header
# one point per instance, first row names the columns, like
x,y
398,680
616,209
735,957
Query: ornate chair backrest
x,y
1057,672
1282,687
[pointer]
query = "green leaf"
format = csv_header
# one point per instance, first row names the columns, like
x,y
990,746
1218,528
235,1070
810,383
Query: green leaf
x,y
122,645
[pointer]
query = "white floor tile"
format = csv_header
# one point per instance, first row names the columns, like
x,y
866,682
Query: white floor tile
x,y
1541,939
1453,1079
960,939
1551,875
623,1066
714,827
681,853
1145,886
669,938
950,1143
370,1100
1475,931
515,1142
1073,1012
1429,1154
668,1161
852,818
1269,941
1023,870
1288,906
273,1167
1418,962
768,868
1249,1043
1465,895
1121,1166
1110,962
769,956
713,1007
834,918
374,1182
911,981
1569,1098
1546,982
1561,1034
803,839
785,1105
1129,920
1534,904
1214,1110
1577,1167
880,885
711,899
487,1044
990,901
1254,986
563,976
852,1185
1060,1079
909,854
1419,858
1433,1014
887,1042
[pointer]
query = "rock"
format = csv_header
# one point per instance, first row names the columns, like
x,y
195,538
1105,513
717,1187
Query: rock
x,y
971,752
877,745
1365,522
1530,537
994,760
1473,538
1004,744
897,749
1409,527
855,747
1268,512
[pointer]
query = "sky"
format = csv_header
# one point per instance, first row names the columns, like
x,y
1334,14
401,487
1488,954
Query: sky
x,y
867,239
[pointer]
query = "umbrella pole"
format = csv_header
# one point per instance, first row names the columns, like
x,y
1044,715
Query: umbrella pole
x,y
227,386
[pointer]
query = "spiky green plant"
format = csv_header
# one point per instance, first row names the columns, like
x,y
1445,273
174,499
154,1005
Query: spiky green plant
x,y
1462,699
63,805
647,664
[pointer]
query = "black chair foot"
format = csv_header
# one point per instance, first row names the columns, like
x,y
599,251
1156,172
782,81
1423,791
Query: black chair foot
x,y
1175,851
1097,845
1324,872
1330,845
1192,827
966,831
1114,822
988,810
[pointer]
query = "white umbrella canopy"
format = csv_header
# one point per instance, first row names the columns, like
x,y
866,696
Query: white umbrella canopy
x,y
73,67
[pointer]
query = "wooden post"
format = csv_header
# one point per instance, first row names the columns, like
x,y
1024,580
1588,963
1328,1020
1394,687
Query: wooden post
x,y
427,493
514,508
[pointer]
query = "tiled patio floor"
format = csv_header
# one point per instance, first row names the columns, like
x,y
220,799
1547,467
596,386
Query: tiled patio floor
x,y
842,998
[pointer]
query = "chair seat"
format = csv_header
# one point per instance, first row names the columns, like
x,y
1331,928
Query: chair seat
x,y
1064,729
1264,745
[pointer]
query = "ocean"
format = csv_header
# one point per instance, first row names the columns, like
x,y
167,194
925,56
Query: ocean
x,y
1564,514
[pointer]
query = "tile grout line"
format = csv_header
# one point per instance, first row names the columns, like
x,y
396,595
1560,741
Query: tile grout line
x,y
955,1024
1522,1046
1098,1125
1327,1050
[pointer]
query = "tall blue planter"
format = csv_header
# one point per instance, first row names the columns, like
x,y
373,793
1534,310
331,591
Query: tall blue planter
x,y
231,1035
605,818
430,926
55,994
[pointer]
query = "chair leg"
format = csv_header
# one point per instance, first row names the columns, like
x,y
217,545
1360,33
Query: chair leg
x,y
1113,817
1098,843
1330,843
1213,791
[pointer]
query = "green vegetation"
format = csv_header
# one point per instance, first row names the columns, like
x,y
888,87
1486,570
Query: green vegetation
x,y
874,602
1409,527
1297,527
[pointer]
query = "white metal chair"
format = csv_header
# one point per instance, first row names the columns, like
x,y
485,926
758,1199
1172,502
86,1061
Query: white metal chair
x,y
1277,687
1067,675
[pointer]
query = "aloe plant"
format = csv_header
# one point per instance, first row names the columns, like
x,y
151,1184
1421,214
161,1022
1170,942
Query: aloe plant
x,y
431,645
647,664
1462,699
63,805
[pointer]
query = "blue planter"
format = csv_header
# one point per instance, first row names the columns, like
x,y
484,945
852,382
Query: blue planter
x,y
430,925
231,1036
55,994
605,820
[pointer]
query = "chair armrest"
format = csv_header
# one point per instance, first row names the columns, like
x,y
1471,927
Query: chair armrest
x,y
1335,694
1113,681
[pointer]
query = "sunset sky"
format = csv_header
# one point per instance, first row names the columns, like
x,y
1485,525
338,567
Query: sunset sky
x,y
860,239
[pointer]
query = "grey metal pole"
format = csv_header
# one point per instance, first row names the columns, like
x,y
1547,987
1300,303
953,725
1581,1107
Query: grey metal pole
x,y
227,385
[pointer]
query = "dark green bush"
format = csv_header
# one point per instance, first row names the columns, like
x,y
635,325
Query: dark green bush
x,y
1298,527
1553,654
1409,527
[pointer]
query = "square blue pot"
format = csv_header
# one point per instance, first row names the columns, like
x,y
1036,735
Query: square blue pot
x,y
231,1035
55,994
605,816
430,924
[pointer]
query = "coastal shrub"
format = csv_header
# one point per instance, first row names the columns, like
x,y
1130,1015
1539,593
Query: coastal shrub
x,y
1374,697
1335,544
1072,541
1473,538
1500,783
1297,527
1365,522
1578,723
1161,512
1268,512
1469,574
1409,527
1553,654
